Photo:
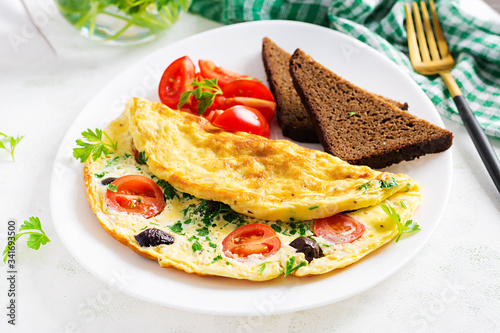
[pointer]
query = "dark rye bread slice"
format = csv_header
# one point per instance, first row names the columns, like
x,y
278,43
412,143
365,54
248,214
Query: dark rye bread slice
x,y
292,117
358,126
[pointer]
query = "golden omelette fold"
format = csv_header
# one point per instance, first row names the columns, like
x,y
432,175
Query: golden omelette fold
x,y
255,176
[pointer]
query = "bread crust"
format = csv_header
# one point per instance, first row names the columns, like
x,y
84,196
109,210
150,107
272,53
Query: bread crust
x,y
377,134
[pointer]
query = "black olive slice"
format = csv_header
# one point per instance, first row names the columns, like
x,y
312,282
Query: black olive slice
x,y
154,237
307,246
108,181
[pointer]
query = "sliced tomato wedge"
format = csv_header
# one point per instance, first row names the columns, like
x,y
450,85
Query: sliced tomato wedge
x,y
251,239
247,88
176,79
339,228
210,71
244,119
267,108
136,194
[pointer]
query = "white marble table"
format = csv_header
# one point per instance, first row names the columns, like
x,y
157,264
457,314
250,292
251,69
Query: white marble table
x,y
452,285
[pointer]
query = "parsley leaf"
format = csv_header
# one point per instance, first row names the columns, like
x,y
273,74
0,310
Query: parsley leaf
x,y
364,187
388,183
37,236
262,268
408,227
289,269
177,228
350,114
169,191
112,187
219,257
141,157
196,246
202,231
12,143
205,93
96,145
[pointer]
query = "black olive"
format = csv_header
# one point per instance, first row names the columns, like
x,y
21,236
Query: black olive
x,y
154,237
307,246
108,181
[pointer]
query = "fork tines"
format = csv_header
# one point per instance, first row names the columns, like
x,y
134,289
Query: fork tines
x,y
422,45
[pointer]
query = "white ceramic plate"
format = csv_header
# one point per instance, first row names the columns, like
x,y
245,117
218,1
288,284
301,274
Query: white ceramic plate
x,y
238,47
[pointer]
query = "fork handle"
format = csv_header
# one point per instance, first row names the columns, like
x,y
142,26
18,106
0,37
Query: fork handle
x,y
480,140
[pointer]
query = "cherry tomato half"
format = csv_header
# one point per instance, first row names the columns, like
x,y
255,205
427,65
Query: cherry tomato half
x,y
339,228
212,115
137,195
248,88
175,80
251,239
267,108
244,119
210,71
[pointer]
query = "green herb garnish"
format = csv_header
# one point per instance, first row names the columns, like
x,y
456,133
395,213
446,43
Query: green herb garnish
x,y
262,268
12,141
219,257
202,231
402,204
388,183
408,227
177,228
350,114
96,145
112,187
196,246
364,187
212,245
289,269
169,191
37,236
100,175
314,207
205,93
141,157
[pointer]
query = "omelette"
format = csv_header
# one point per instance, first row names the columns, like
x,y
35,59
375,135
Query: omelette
x,y
205,191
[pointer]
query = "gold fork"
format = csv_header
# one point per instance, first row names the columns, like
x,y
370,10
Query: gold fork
x,y
429,55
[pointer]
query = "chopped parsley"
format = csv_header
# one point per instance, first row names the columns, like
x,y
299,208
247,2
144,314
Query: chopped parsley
x,y
100,175
364,187
402,204
262,268
169,191
141,157
219,257
196,246
177,228
314,207
112,187
388,183
276,227
202,231
212,245
290,268
350,114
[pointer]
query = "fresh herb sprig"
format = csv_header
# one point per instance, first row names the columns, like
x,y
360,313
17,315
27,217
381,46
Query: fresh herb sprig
x,y
12,141
98,143
408,227
37,236
205,93
290,268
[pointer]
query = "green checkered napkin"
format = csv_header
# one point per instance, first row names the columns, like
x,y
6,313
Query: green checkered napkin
x,y
474,42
